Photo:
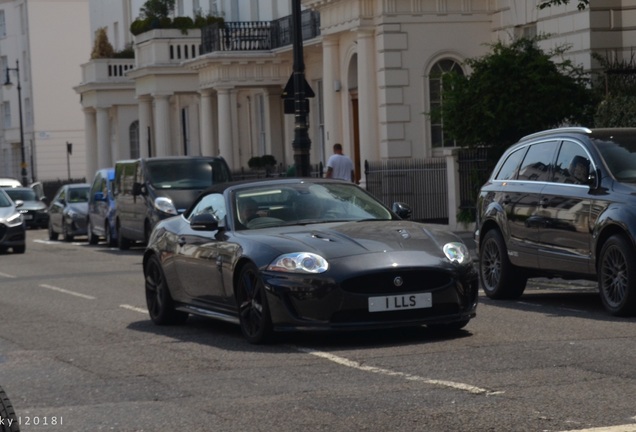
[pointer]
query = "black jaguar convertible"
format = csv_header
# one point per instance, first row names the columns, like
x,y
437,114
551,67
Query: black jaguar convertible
x,y
305,254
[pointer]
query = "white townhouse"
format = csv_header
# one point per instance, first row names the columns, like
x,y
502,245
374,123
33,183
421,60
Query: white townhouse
x,y
374,65
42,45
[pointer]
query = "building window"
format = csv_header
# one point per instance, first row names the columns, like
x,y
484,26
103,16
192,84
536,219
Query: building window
x,y
6,113
133,137
438,70
3,25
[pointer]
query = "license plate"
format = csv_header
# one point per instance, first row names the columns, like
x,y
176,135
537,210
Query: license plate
x,y
27,216
400,302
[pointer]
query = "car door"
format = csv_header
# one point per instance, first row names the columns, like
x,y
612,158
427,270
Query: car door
x,y
201,255
521,199
565,208
56,210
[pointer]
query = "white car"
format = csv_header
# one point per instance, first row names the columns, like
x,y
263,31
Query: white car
x,y
9,182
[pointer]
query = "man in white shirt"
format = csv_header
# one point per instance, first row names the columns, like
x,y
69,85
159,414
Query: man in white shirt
x,y
339,166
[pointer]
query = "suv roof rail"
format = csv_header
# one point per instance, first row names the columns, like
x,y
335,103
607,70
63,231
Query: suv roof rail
x,y
571,129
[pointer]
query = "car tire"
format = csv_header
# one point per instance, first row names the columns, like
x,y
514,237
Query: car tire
x,y
92,238
108,233
122,242
499,278
66,233
52,234
253,309
7,414
158,299
617,276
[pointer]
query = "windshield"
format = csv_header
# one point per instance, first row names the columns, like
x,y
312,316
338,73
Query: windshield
x,y
186,173
619,153
304,203
4,200
22,194
78,194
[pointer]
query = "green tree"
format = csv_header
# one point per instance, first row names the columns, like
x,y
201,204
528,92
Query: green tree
x,y
514,90
102,47
157,9
549,3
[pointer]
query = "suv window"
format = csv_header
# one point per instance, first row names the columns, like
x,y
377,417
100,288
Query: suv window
x,y
572,164
508,170
536,164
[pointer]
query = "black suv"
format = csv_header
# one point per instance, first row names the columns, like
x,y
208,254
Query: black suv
x,y
562,203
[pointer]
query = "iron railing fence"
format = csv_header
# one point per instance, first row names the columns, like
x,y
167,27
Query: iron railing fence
x,y
257,35
474,169
421,183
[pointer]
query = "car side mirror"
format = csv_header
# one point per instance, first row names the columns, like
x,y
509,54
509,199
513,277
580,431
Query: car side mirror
x,y
99,196
204,222
138,189
401,209
593,179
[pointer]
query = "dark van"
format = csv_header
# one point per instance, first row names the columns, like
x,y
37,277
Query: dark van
x,y
148,190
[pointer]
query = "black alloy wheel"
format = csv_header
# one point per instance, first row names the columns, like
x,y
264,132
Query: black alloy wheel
x,y
158,299
254,317
617,276
499,278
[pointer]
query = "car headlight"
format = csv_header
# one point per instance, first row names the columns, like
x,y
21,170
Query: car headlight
x,y
457,252
14,220
165,205
299,262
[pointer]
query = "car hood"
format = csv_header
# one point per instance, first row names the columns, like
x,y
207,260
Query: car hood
x,y
5,212
335,240
33,205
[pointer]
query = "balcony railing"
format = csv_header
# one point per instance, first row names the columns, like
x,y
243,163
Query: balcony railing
x,y
257,35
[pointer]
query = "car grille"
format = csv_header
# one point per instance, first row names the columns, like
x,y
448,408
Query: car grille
x,y
385,282
3,231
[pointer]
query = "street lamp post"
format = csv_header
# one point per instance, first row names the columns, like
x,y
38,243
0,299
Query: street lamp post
x,y
8,84
301,143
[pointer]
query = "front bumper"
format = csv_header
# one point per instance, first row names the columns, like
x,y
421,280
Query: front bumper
x,y
12,235
313,302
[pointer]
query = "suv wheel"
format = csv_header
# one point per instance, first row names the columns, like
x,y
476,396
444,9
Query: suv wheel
x,y
617,276
499,278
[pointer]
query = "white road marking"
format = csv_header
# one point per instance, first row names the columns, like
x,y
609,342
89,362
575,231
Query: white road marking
x,y
7,275
62,290
134,308
355,365
617,428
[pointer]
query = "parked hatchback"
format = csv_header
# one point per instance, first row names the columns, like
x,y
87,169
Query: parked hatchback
x,y
562,203
12,226
68,210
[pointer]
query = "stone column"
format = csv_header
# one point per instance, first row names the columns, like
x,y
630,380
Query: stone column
x,y
225,126
367,101
91,142
162,125
104,159
207,129
145,127
332,85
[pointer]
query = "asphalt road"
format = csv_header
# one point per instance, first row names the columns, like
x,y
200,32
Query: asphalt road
x,y
78,353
